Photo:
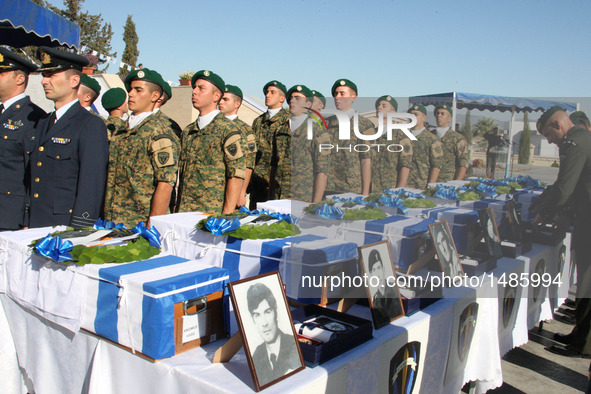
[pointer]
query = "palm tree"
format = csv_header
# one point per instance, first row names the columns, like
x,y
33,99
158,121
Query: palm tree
x,y
482,126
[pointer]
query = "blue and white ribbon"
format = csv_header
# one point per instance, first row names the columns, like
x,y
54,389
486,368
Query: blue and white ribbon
x,y
446,192
102,224
151,234
54,248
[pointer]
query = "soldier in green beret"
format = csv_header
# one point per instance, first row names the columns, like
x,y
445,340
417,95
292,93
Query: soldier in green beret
x,y
229,106
572,184
114,101
88,92
455,148
143,162
213,162
350,171
427,152
319,101
390,169
167,95
265,127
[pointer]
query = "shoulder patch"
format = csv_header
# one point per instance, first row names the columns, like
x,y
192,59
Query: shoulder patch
x,y
232,147
251,144
162,150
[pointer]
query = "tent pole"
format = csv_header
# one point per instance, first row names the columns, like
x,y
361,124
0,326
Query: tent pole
x,y
510,149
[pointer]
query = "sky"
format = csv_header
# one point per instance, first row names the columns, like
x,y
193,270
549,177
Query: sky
x,y
520,48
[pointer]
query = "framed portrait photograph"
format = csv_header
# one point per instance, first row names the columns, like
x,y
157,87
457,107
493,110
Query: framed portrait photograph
x,y
488,226
383,294
513,219
268,335
447,254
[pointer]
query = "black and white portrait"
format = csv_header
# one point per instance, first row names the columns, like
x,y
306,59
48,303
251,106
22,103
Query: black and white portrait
x,y
489,228
513,219
267,328
383,294
446,249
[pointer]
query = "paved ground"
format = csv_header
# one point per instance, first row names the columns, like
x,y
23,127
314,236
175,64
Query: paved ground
x,y
531,368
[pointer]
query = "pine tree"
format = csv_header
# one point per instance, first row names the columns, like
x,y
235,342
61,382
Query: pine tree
x,y
131,53
525,141
467,129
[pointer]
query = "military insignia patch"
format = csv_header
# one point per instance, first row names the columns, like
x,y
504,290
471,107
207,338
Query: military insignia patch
x,y
232,147
206,73
404,368
141,74
275,83
389,98
538,294
163,157
299,88
466,329
508,305
342,83
251,146
12,125
45,58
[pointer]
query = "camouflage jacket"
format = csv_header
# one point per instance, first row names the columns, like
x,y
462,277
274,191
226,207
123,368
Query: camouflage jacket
x,y
138,160
455,155
115,126
386,164
172,124
251,145
209,157
427,154
307,160
265,129
345,168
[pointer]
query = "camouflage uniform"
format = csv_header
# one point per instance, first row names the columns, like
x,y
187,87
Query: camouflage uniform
x,y
265,129
385,164
251,145
171,123
115,126
455,154
209,157
427,154
345,169
307,160
138,160
280,176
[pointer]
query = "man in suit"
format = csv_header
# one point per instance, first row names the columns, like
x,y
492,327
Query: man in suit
x,y
278,354
68,164
18,118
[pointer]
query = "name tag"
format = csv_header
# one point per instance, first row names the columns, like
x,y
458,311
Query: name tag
x,y
62,141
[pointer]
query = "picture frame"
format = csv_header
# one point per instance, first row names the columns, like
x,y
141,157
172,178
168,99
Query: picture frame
x,y
445,247
270,342
513,220
375,261
490,231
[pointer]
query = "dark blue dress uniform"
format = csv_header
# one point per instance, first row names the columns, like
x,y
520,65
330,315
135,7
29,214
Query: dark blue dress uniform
x,y
69,170
17,124
68,164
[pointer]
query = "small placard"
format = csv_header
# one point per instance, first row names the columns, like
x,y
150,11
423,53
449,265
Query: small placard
x,y
193,327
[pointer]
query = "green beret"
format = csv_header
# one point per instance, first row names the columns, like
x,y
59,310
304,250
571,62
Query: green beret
x,y
446,107
546,115
234,90
145,74
579,117
316,93
113,98
389,99
417,107
276,84
300,89
10,61
209,76
55,60
343,82
90,83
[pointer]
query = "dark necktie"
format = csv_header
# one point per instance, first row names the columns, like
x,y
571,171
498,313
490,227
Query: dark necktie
x,y
273,361
51,122
1,108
